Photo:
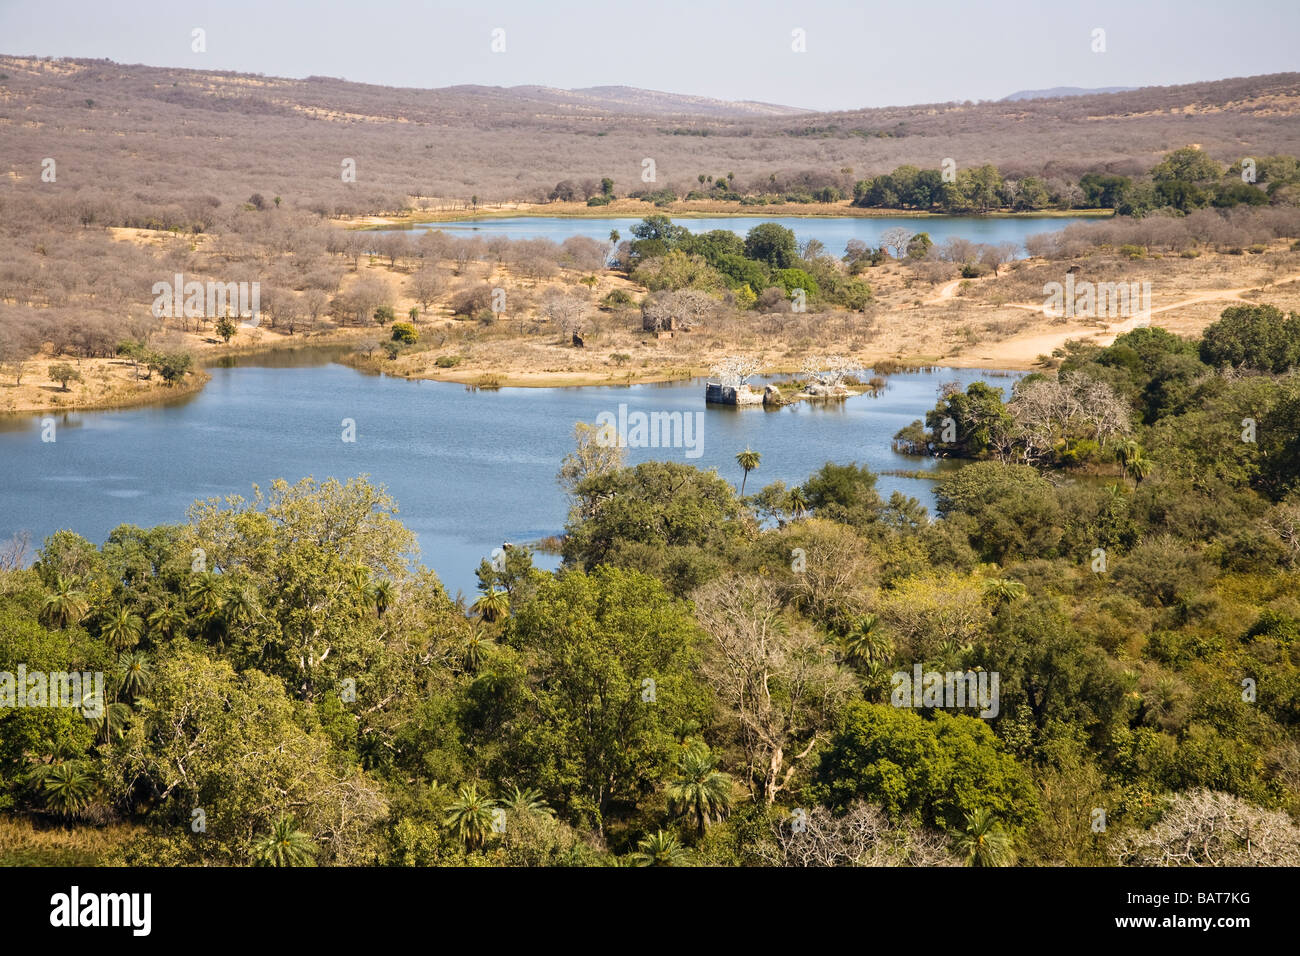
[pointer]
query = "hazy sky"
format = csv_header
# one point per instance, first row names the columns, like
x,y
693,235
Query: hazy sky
x,y
857,53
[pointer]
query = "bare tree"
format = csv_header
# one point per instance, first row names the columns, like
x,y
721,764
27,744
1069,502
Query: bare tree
x,y
777,680
897,239
565,309
1205,828
735,370
426,285
862,836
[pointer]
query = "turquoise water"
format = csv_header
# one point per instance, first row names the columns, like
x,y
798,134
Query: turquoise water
x,y
469,469
834,232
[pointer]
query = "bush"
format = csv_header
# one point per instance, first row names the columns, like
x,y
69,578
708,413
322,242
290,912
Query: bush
x,y
1012,510
384,314
447,361
1254,336
924,771
404,332
472,301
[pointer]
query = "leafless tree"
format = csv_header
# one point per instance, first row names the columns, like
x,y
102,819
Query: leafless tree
x,y
896,238
861,836
1206,828
427,284
777,680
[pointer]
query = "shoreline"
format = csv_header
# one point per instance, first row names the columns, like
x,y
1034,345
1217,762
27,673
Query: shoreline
x,y
686,209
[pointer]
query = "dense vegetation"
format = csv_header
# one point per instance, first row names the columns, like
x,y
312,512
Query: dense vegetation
x,y
708,678
1185,180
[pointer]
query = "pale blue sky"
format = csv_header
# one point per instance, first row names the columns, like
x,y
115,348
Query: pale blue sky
x,y
858,54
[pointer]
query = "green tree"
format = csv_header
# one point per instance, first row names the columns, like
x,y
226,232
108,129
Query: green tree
x,y
843,493
134,673
933,771
984,841
1010,511
660,849
122,629
492,605
610,676
866,641
66,606
63,373
284,845
747,460
67,788
1254,336
226,328
773,244
470,816
698,788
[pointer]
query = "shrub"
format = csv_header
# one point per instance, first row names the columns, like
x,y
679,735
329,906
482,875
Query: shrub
x,y
447,361
404,332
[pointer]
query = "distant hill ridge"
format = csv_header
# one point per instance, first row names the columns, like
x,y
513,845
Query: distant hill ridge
x,y
1057,92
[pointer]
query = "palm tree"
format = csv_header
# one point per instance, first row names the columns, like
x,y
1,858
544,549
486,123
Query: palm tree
x,y
285,845
167,619
134,673
984,841
526,803
1003,590
865,642
67,605
111,722
1139,468
798,501
747,460
471,650
122,630
205,592
383,593
699,788
661,849
1127,449
470,815
492,605
67,788
238,605
358,577
1133,461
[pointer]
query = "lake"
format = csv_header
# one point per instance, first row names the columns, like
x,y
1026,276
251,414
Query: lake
x,y
833,231
469,469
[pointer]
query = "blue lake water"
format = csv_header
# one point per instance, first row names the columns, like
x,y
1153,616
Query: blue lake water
x,y
469,469
833,231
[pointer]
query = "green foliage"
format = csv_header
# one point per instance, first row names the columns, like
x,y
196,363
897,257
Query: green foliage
x,y
664,518
936,771
843,493
1253,336
404,333
1009,511
611,656
772,244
